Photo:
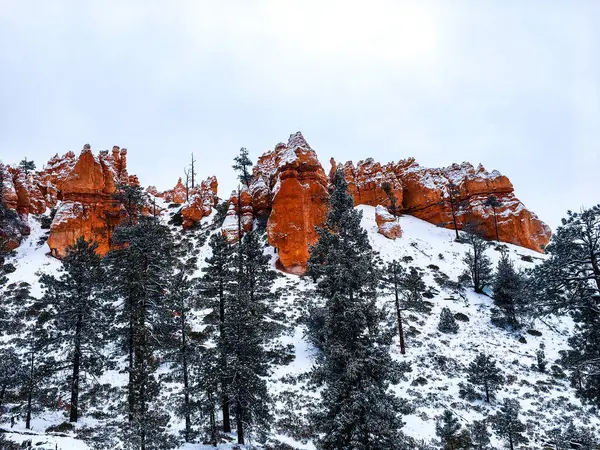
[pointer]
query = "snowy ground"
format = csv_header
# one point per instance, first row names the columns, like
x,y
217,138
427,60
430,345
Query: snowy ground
x,y
438,360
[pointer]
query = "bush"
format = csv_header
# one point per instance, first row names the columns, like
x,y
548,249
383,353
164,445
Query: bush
x,y
461,317
447,322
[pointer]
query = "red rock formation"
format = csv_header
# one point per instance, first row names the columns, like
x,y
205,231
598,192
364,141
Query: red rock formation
x,y
239,201
88,208
176,195
387,224
366,181
426,195
202,200
299,201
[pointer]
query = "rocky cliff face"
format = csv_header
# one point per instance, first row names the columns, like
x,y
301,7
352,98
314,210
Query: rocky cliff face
x,y
289,185
289,191
88,208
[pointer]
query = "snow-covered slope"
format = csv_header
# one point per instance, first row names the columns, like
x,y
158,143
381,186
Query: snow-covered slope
x,y
439,361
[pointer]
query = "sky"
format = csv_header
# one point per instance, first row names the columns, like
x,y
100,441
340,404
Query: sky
x,y
513,84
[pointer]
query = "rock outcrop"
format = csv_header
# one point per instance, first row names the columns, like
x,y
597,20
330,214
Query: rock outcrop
x,y
203,198
88,208
387,223
426,194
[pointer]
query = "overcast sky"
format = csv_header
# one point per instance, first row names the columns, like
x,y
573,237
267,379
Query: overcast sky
x,y
511,84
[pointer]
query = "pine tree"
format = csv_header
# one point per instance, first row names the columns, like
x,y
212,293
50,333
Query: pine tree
x,y
453,192
242,166
11,372
34,318
132,198
217,288
184,342
479,266
508,287
356,409
449,431
447,323
407,288
27,166
141,269
480,435
493,202
81,318
387,188
507,425
569,282
484,372
247,333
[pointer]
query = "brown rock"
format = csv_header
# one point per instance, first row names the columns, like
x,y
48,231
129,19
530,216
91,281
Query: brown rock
x,y
387,224
202,201
299,202
239,203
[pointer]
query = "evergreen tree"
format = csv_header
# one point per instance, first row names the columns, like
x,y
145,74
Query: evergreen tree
x,y
484,372
480,435
242,166
447,323
456,205
141,268
27,166
217,288
541,359
356,410
11,373
508,285
34,318
184,342
449,431
507,425
248,331
569,282
132,198
81,319
479,266
407,288
387,188
493,202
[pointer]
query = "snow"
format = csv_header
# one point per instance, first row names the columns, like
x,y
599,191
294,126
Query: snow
x,y
545,400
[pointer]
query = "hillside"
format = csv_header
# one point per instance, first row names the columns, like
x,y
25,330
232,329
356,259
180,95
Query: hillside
x,y
438,361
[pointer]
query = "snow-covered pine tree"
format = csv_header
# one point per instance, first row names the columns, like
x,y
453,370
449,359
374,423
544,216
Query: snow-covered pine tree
x,y
493,202
447,322
507,425
141,268
484,372
217,288
479,266
356,410
242,165
569,282
183,342
132,198
247,332
34,317
407,287
480,435
456,205
81,319
450,432
508,290
11,373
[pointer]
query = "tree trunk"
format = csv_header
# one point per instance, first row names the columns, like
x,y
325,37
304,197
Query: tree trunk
x,y
186,386
496,225
510,441
454,218
239,422
487,393
224,397
75,375
399,320
142,358
130,390
30,392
